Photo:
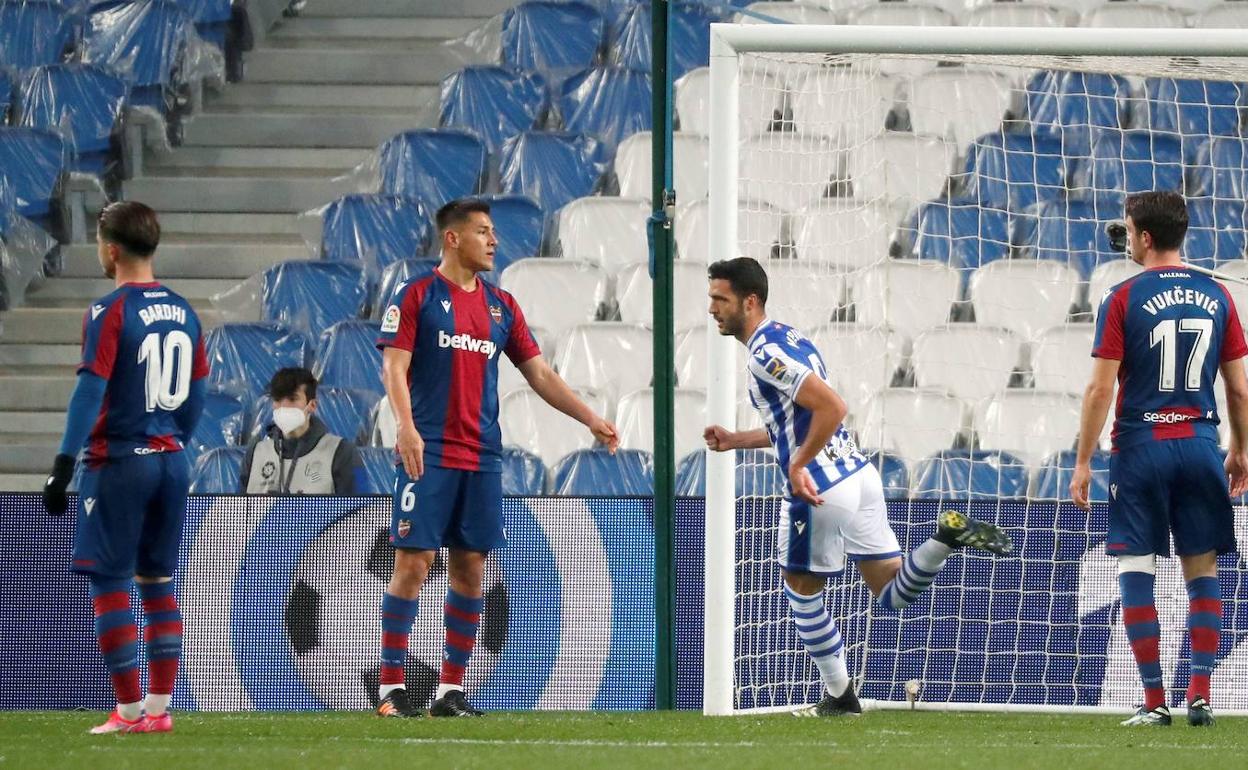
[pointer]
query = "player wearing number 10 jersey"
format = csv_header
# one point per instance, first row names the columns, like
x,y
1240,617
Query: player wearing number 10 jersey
x,y
139,395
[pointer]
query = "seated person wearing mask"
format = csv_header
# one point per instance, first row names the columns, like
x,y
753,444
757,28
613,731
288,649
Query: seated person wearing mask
x,y
297,454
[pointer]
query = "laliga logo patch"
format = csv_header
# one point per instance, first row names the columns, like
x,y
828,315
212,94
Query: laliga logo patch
x,y
390,322
404,528
496,313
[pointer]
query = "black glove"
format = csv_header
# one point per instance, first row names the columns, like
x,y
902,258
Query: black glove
x,y
54,497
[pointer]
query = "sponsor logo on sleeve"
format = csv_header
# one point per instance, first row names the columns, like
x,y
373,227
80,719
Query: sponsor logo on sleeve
x,y
390,321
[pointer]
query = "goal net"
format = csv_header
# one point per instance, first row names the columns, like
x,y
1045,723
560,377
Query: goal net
x,y
931,210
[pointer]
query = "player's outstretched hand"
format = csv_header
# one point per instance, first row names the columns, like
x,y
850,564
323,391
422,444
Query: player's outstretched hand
x,y
803,485
55,498
1237,472
411,449
1080,480
718,438
606,434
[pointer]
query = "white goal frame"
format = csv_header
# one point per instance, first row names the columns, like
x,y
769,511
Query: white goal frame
x,y
728,43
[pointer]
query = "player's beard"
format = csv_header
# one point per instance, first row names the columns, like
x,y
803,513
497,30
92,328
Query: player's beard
x,y
732,325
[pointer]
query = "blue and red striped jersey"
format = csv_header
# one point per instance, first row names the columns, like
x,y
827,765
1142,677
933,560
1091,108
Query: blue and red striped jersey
x,y
455,337
1171,328
147,343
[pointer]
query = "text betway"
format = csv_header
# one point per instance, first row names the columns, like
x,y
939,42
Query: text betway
x,y
467,342
1178,296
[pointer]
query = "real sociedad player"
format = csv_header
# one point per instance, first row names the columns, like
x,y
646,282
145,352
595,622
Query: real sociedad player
x,y
1163,335
139,395
442,337
834,508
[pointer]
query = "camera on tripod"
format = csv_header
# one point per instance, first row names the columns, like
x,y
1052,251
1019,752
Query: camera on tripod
x,y
1117,232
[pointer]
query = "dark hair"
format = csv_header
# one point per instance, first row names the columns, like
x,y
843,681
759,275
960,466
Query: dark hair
x,y
286,383
744,275
132,226
456,212
1162,214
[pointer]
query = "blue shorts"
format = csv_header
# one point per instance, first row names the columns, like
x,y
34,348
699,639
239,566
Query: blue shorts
x,y
448,507
1174,487
130,513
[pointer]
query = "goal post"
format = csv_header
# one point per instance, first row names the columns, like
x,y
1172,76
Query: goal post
x,y
738,675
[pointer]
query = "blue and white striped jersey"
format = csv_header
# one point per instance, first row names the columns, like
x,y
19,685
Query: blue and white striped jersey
x,y
781,358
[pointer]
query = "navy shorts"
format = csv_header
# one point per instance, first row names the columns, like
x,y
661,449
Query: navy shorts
x,y
130,513
1174,487
448,507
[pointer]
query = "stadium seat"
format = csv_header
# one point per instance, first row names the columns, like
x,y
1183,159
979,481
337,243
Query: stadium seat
x,y
531,424
960,233
1069,105
243,356
970,361
519,226
843,104
609,103
861,360
689,152
1216,231
1061,358
635,418
609,232
313,294
788,170
757,474
803,294
902,14
1239,294
509,377
1221,169
759,99
1108,275
844,232
1014,171
758,230
82,103
1024,295
691,366
221,424
385,427
378,466
523,473
432,165
211,17
893,474
1053,478
597,473
144,41
911,423
1222,16
495,103
377,230
345,412
1017,14
1029,424
1071,231
217,471
907,295
24,249
395,275
961,475
788,12
34,33
347,357
901,169
689,37
557,294
1130,162
1192,109
610,358
634,291
6,97
958,104
1117,15
551,168
32,166
551,37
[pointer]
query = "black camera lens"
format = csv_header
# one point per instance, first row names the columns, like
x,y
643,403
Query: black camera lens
x,y
1117,232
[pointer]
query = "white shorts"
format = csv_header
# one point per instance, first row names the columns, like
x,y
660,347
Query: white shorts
x,y
853,522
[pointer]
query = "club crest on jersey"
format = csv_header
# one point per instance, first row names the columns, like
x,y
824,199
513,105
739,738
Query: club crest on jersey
x,y
496,313
404,528
390,321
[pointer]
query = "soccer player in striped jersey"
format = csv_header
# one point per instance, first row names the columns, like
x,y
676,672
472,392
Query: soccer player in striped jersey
x,y
140,393
441,338
1163,335
834,508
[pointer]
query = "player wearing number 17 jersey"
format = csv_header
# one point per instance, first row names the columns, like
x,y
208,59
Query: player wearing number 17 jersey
x,y
138,397
1163,335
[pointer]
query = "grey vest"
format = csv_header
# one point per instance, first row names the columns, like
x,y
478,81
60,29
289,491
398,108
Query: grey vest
x,y
313,473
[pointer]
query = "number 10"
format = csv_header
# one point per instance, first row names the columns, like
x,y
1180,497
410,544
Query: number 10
x,y
168,380
1164,334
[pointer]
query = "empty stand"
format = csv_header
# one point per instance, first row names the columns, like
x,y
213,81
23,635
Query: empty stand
x,y
911,422
1030,424
432,165
840,103
32,166
221,424
85,105
969,361
1193,109
1024,295
495,103
1019,14
634,293
963,475
1070,105
908,295
1137,14
581,288
633,162
847,233
1016,170
757,474
519,227
787,170
523,473
860,360
1129,162
610,358
1222,16
597,473
1106,276
1072,231
1216,231
244,356
509,377
314,295
758,230
610,103
533,425
1053,478
688,35
377,230
759,101
803,294
635,419
902,14
551,168
893,474
1221,169
377,471
901,168
347,357
961,233
609,232
145,41
34,33
397,274
217,472
1061,358
958,104
790,12
551,37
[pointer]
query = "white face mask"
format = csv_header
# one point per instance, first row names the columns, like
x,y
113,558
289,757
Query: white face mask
x,y
289,419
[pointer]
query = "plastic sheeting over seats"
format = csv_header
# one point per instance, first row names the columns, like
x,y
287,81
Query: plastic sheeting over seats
x,y
609,232
244,356
530,423
610,358
496,103
552,37
757,474
969,361
217,472
963,475
34,33
347,357
83,103
32,163
314,295
552,168
596,472
610,103
581,289
689,37
377,230
432,165
1024,295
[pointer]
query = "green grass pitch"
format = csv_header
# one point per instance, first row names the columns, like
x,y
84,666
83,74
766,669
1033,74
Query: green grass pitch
x,y
887,739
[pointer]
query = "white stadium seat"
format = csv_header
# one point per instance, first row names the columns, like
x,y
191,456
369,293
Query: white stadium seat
x,y
900,168
860,360
1020,14
691,361
1030,424
1238,291
509,377
911,422
635,419
609,358
843,232
787,170
968,360
1106,276
1222,16
556,294
844,104
633,161
533,425
1061,358
907,295
634,290
760,97
907,15
802,294
958,104
794,13
385,425
758,230
1120,15
1024,295
606,231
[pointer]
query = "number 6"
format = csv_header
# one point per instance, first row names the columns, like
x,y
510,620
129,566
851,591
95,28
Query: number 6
x,y
407,500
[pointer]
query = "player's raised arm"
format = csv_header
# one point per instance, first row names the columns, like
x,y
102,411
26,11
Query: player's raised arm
x,y
720,439
547,383
408,443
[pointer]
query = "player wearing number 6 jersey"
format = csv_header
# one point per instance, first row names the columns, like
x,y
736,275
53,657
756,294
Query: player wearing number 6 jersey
x,y
1163,335
139,394
834,508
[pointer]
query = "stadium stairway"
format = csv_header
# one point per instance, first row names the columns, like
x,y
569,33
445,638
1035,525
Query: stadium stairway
x,y
322,90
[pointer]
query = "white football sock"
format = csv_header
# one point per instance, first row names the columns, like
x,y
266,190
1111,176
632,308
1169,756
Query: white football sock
x,y
156,705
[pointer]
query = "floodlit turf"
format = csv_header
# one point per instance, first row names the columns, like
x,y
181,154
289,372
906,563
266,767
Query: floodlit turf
x,y
919,740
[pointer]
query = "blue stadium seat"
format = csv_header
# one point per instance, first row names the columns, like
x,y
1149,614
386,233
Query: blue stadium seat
x,y
1221,169
596,472
433,165
347,357
1216,231
313,295
689,36
1071,231
611,103
758,475
893,474
552,168
84,104
345,412
552,37
378,466
396,274
1193,109
211,17
1129,162
495,103
523,473
7,97
961,233
32,164
378,230
1053,478
1014,171
217,471
958,474
34,32
244,356
520,226
145,42
1070,104
221,424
